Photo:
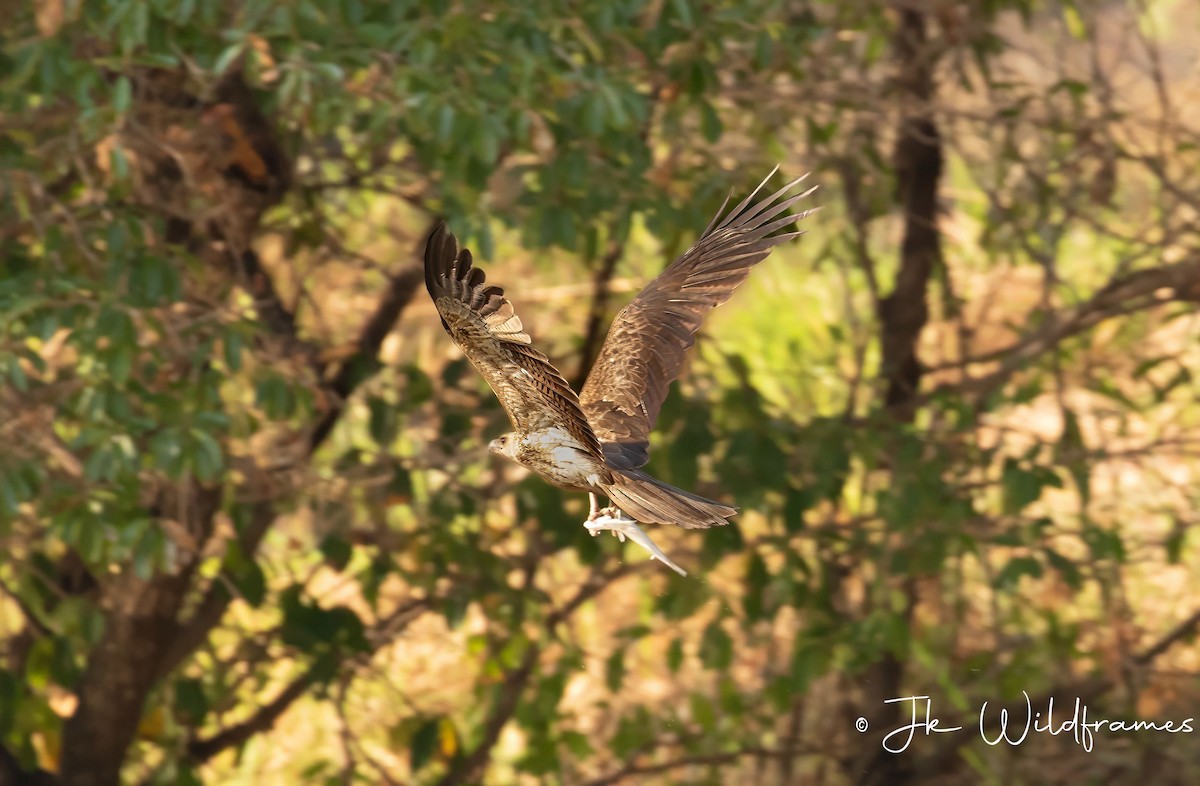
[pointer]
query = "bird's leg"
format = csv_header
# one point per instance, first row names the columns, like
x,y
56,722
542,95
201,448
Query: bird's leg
x,y
621,526
594,507
613,511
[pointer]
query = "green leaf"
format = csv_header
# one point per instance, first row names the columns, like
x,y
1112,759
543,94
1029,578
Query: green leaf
x,y
383,422
710,122
424,743
632,732
614,670
418,388
675,655
167,448
578,744
246,574
191,701
227,57
810,659
336,550
1017,568
1105,544
207,457
232,346
148,552
683,10
122,95
755,584
445,123
1066,568
276,397
684,599
1022,487
1175,541
716,647
703,712
1071,452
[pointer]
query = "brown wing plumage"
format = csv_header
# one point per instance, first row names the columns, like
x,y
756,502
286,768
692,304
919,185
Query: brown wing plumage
x,y
488,331
646,343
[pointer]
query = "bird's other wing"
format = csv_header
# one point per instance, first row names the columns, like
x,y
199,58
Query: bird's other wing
x,y
644,350
486,328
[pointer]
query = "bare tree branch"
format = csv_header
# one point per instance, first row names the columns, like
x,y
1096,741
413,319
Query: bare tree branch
x,y
902,316
201,750
1177,634
697,760
397,296
124,664
467,768
1136,291
194,630
382,633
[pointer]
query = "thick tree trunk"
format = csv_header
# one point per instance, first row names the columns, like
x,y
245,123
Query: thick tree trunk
x,y
918,161
902,316
139,627
232,161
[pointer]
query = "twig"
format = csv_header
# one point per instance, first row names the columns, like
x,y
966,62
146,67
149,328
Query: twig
x,y
698,760
202,749
398,295
1128,294
1173,637
467,768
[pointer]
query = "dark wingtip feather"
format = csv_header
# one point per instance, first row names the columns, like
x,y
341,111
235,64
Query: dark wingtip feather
x,y
436,258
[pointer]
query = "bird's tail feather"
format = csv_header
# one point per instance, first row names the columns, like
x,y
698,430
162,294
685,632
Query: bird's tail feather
x,y
651,501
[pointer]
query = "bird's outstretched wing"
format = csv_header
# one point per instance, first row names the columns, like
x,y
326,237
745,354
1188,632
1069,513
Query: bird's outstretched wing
x,y
488,331
644,350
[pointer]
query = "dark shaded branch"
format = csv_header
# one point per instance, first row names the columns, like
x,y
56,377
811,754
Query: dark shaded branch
x,y
12,774
354,370
1136,291
193,632
383,632
271,310
594,331
467,768
860,215
902,316
358,367
201,750
1177,634
125,663
918,161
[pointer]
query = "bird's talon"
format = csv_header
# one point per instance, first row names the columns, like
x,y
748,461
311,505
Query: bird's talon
x,y
622,526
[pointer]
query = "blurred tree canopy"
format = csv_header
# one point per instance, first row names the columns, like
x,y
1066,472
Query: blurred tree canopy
x,y
249,530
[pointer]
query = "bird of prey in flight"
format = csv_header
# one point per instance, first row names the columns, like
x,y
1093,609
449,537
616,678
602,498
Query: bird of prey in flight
x,y
598,441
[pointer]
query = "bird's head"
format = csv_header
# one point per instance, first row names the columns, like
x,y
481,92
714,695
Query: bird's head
x,y
505,445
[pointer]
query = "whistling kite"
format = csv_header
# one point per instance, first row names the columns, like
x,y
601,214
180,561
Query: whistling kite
x,y
598,441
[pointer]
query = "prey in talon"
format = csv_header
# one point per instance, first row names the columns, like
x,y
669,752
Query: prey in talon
x,y
598,440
